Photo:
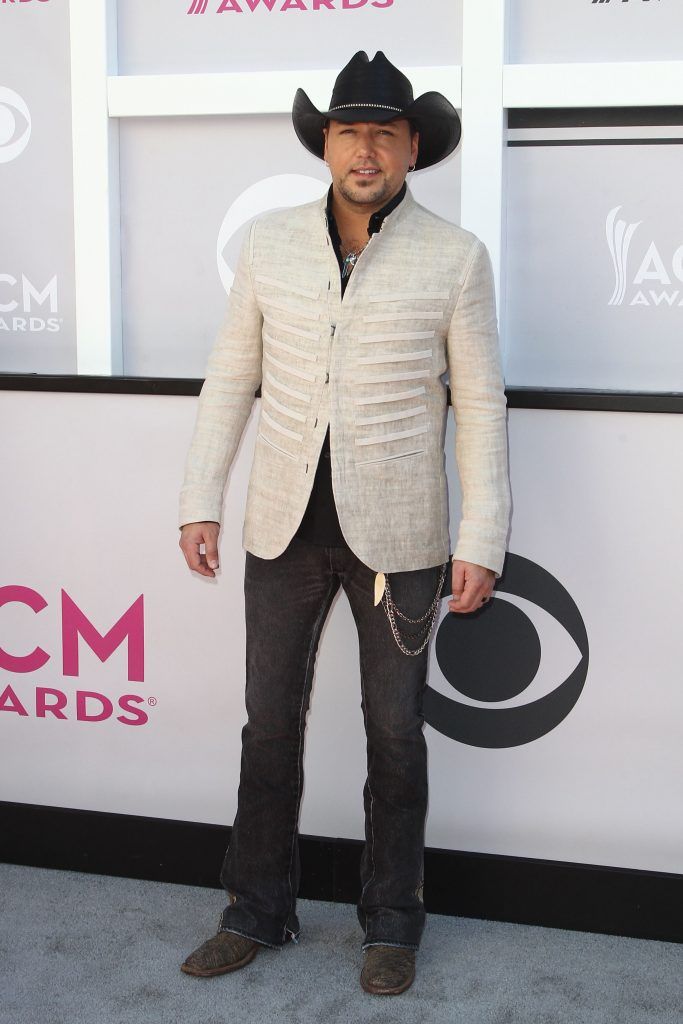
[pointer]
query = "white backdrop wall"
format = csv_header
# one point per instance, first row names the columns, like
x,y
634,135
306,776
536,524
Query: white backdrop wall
x,y
37,294
159,37
595,506
594,30
595,259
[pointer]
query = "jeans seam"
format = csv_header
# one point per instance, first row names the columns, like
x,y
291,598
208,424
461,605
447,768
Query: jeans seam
x,y
234,931
372,798
299,752
394,945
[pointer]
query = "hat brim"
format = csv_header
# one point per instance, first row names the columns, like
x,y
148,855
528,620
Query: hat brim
x,y
435,117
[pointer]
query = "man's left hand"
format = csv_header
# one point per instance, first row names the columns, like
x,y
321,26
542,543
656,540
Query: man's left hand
x,y
472,586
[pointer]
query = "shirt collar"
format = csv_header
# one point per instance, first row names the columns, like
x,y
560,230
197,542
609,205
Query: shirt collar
x,y
376,219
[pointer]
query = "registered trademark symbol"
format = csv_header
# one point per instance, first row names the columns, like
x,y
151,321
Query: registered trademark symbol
x,y
151,701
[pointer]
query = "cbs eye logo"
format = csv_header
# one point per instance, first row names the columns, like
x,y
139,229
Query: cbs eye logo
x,y
493,655
11,148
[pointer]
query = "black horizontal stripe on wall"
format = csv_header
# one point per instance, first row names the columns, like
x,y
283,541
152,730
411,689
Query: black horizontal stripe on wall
x,y
517,397
101,385
593,117
594,142
555,894
594,400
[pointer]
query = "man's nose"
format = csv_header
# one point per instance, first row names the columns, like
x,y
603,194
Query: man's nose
x,y
366,143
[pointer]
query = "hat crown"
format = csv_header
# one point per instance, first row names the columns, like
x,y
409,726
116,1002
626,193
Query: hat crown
x,y
377,82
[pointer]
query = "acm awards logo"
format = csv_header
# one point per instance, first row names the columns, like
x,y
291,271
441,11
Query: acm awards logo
x,y
655,281
60,702
493,655
19,295
623,1
278,6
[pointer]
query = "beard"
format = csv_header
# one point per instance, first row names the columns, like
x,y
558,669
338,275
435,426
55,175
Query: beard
x,y
375,191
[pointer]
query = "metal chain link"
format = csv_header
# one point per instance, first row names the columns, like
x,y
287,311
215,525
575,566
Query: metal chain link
x,y
430,615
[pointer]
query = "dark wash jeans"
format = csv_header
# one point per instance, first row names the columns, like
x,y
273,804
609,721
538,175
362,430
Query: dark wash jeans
x,y
286,603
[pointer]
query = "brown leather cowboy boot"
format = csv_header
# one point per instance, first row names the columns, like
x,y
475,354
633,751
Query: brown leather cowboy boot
x,y
220,954
388,970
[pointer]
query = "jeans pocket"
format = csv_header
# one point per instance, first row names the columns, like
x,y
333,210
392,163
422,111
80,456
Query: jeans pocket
x,y
415,591
411,603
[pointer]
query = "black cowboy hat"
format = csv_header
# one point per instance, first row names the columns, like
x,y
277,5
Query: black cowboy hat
x,y
375,90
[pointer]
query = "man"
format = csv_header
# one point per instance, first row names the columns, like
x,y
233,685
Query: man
x,y
349,312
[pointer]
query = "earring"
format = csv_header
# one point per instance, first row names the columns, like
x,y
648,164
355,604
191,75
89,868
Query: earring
x,y
412,168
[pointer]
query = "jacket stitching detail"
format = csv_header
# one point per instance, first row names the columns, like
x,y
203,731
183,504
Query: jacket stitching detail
x,y
311,335
262,279
390,458
388,377
388,417
292,392
369,339
392,437
422,297
396,357
307,314
310,356
278,426
418,314
277,447
395,397
283,408
289,369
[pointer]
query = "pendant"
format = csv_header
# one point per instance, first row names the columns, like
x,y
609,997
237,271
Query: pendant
x,y
349,263
380,584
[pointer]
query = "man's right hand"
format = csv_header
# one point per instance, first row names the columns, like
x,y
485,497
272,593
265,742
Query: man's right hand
x,y
192,535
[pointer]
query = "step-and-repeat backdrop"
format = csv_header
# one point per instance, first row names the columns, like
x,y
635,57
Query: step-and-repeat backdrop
x,y
554,715
37,291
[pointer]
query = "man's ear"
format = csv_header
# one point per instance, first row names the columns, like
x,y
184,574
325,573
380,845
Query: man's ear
x,y
325,132
415,146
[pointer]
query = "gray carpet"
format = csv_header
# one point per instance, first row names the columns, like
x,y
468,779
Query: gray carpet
x,y
87,948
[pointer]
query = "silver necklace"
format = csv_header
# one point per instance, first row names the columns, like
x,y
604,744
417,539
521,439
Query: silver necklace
x,y
349,261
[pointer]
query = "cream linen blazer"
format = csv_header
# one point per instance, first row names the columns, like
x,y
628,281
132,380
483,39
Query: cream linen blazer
x,y
419,308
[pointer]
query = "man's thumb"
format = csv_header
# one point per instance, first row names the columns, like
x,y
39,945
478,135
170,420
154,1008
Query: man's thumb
x,y
458,580
212,556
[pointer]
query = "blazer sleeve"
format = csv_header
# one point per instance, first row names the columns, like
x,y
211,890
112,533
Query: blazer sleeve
x,y
479,405
232,377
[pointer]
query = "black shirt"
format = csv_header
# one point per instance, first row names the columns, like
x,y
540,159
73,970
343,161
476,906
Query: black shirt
x,y
320,524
